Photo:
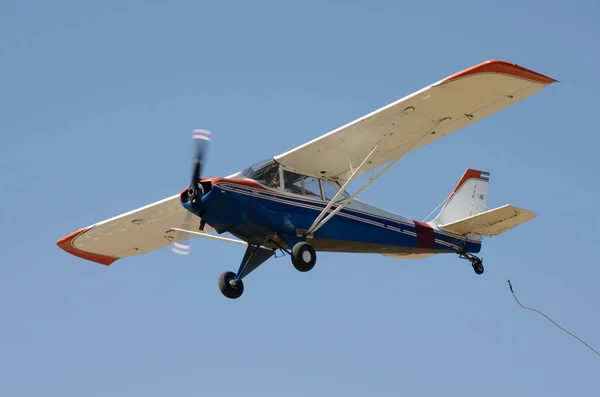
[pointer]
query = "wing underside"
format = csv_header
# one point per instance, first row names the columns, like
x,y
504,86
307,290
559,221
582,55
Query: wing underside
x,y
139,231
416,120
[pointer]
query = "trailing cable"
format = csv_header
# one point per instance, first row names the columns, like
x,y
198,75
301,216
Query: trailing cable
x,y
535,310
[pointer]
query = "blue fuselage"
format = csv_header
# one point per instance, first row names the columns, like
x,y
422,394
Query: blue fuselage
x,y
254,214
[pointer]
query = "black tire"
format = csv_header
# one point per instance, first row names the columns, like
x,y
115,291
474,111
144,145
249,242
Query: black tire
x,y
304,256
227,289
478,267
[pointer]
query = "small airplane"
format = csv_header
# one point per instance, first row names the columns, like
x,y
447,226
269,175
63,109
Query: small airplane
x,y
298,203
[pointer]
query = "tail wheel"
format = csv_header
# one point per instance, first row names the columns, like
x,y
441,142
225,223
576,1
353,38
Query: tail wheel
x,y
478,267
304,256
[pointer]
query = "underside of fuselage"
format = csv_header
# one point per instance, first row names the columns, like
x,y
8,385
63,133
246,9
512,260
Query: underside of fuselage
x,y
268,217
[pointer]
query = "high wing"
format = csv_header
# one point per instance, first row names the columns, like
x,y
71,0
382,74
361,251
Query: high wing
x,y
416,120
136,232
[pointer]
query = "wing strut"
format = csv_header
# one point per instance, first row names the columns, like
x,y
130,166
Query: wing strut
x,y
212,236
319,221
200,234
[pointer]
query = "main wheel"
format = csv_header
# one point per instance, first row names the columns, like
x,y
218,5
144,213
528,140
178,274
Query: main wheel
x,y
228,288
478,267
304,256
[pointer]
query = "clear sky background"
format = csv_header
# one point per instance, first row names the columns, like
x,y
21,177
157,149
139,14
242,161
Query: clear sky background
x,y
97,104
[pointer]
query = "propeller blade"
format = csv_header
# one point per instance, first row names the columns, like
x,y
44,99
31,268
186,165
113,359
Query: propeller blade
x,y
183,247
200,139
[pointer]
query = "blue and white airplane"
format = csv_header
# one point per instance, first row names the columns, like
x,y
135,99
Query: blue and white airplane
x,y
298,203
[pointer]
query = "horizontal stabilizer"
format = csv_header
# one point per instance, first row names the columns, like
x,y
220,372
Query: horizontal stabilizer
x,y
490,223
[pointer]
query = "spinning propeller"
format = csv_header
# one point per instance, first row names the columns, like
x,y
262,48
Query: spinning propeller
x,y
200,140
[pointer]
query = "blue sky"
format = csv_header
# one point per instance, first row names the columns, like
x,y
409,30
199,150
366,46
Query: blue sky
x,y
98,101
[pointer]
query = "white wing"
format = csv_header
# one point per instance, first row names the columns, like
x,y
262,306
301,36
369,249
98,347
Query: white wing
x,y
431,113
136,232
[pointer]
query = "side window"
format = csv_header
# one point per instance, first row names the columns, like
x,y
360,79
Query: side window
x,y
330,191
300,184
292,182
312,187
274,182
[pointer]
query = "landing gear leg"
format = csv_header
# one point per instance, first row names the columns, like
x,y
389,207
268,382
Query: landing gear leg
x,y
230,283
476,262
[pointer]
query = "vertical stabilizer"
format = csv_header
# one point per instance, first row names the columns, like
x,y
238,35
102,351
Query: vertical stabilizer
x,y
468,198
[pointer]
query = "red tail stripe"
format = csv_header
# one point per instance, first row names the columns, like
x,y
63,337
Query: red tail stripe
x,y
425,235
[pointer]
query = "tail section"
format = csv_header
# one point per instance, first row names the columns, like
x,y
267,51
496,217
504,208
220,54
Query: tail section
x,y
490,223
465,212
468,198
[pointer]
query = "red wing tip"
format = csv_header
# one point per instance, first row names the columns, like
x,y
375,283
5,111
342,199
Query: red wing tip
x,y
502,67
66,243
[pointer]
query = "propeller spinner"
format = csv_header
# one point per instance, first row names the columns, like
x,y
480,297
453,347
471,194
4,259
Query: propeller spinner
x,y
200,139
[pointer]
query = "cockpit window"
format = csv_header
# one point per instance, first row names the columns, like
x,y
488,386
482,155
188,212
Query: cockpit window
x,y
312,187
265,173
292,182
300,184
331,189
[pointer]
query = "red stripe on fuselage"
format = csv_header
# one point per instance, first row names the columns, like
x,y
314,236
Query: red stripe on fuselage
x,y
425,236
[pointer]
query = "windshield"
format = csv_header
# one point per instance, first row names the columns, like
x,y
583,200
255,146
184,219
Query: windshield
x,y
265,172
